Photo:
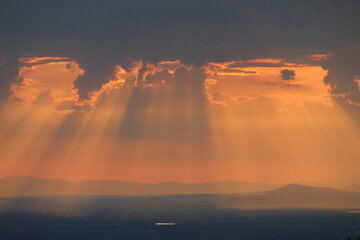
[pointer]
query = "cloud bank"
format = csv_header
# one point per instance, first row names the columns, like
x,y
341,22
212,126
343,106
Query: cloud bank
x,y
101,34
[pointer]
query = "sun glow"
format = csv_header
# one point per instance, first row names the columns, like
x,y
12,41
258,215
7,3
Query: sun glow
x,y
161,122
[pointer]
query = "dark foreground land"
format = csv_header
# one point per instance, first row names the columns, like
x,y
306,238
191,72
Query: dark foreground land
x,y
196,217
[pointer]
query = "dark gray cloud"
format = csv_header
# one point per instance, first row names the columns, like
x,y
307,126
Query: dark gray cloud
x,y
343,72
100,34
159,78
287,74
9,72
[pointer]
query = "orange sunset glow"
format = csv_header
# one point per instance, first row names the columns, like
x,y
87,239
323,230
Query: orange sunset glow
x,y
255,126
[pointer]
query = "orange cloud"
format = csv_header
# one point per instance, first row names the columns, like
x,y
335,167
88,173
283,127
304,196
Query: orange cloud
x,y
249,80
266,60
54,75
258,127
318,57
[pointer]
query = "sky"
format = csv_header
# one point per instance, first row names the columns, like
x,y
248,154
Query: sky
x,y
186,91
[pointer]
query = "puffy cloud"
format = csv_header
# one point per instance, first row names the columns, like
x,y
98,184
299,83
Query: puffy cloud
x,y
287,74
343,79
244,83
49,75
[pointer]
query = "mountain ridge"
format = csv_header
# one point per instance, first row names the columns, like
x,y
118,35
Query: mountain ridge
x,y
297,196
31,186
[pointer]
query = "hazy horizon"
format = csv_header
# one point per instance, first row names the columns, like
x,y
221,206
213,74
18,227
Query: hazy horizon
x,y
354,178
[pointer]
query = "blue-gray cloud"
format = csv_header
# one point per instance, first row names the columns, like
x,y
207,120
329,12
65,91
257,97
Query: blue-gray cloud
x,y
287,74
343,72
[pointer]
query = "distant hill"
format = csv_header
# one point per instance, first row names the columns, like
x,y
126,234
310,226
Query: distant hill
x,y
296,196
30,186
291,196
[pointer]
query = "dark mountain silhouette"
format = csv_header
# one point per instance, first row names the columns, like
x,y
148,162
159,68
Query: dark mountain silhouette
x,y
68,201
29,186
296,196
